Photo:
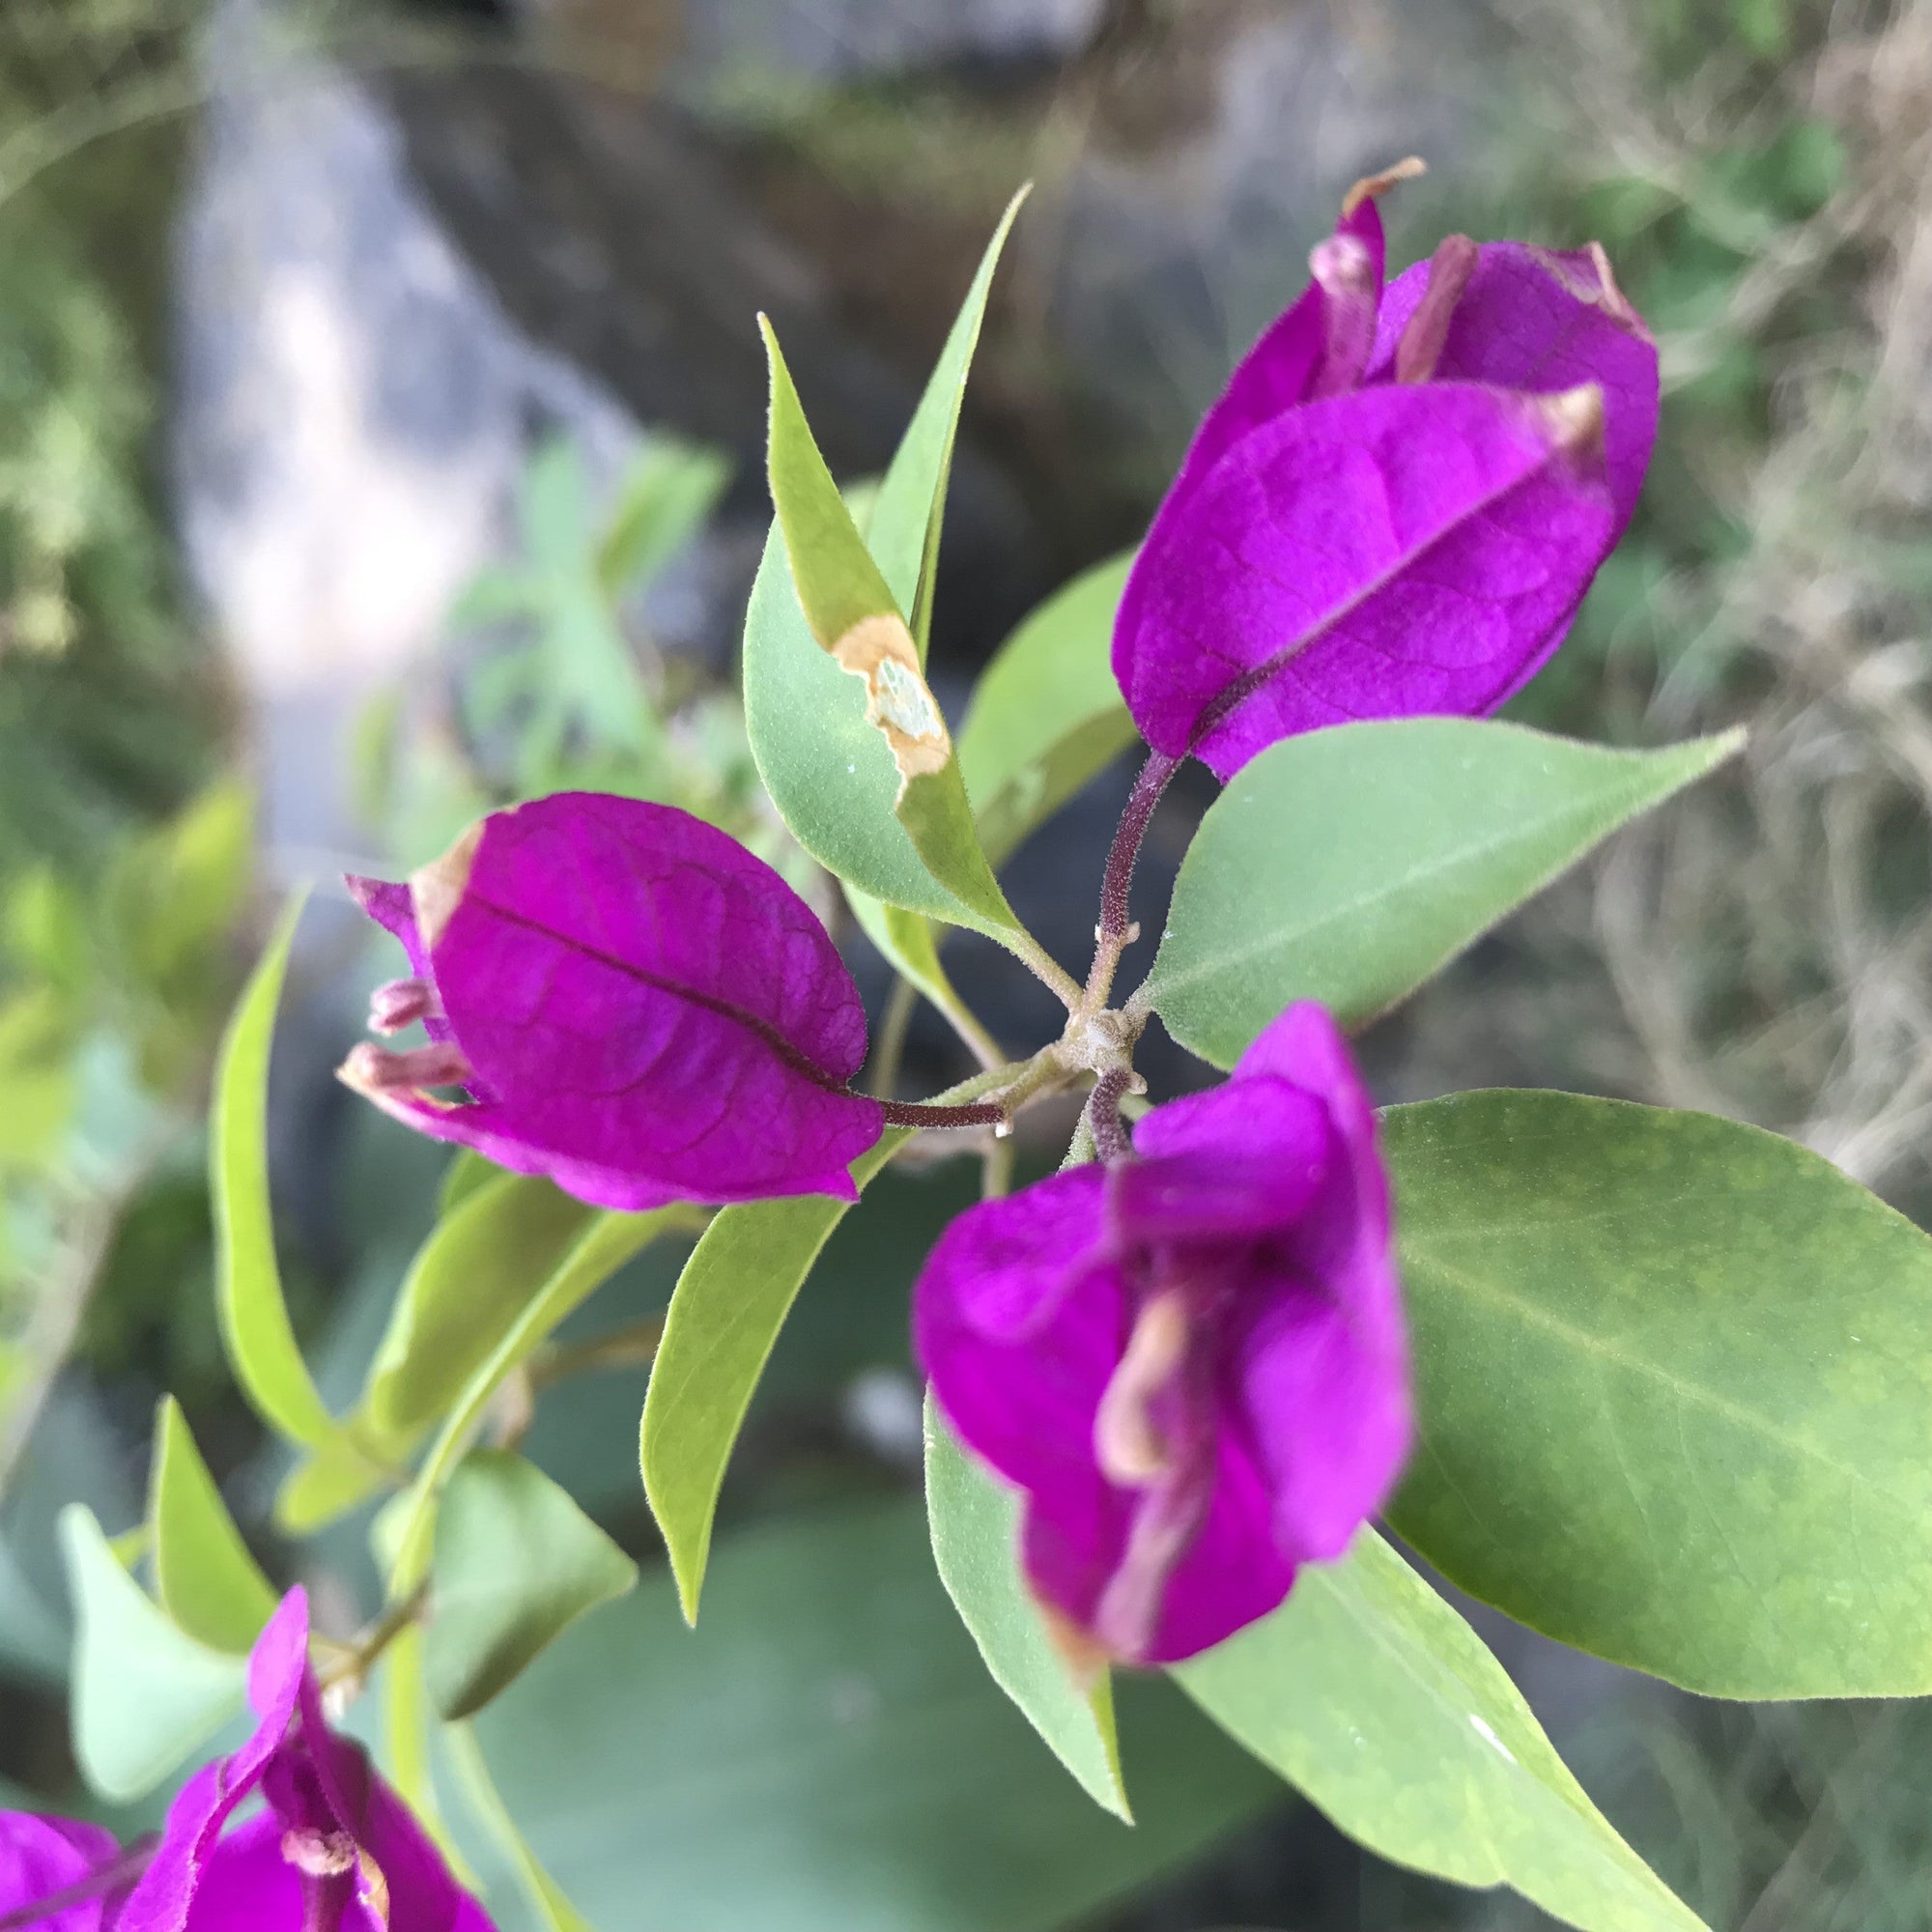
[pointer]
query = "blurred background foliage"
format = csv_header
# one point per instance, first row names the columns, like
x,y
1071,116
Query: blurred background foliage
x,y
567,211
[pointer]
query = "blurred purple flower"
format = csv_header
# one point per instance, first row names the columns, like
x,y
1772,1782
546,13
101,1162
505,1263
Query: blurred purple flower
x,y
1192,1360
1398,503
45,1860
334,1847
332,1850
637,1006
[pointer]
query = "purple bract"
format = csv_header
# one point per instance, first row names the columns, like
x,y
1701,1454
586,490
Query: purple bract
x,y
1398,503
1191,1361
635,1004
333,1849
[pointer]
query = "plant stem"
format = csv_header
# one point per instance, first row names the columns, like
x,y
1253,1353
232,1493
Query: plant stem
x,y
1115,931
894,1025
927,1113
996,1176
631,1347
1103,1115
1042,965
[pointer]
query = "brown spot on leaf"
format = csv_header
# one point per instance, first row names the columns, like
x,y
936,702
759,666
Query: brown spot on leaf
x,y
898,700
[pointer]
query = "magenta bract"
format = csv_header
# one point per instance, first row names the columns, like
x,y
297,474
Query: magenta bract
x,y
48,1858
1192,1362
1398,503
635,1004
334,1845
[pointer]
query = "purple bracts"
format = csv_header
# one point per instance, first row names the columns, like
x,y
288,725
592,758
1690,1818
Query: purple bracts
x,y
636,1006
336,1847
1192,1362
1398,503
49,1858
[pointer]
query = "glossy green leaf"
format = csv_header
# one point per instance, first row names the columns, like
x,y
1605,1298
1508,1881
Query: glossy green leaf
x,y
206,1581
851,612
554,1912
1347,865
729,1304
974,1525
603,1247
829,771
145,1696
255,1327
1385,1710
1674,1381
516,1564
1046,714
474,1275
826,1753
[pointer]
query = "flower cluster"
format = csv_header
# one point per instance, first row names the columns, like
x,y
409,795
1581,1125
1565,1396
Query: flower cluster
x,y
333,1848
1189,1355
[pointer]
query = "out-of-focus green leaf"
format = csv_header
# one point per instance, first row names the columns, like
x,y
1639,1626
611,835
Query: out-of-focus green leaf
x,y
853,616
145,1696
1674,1387
39,1086
182,887
907,942
467,1172
729,1304
663,504
470,1280
825,1754
598,1253
516,1564
327,1482
553,1910
203,1574
1046,714
1347,865
975,1526
255,1327
1383,1708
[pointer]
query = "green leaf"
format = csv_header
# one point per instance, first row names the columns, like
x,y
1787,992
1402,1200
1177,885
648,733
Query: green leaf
x,y
852,615
467,1172
145,1696
1046,714
516,1564
327,1482
825,1754
474,1275
906,518
1347,865
206,1581
729,1304
603,1247
975,1523
546,1896
1385,1709
406,1746
909,945
1674,1378
255,1327
829,771
672,489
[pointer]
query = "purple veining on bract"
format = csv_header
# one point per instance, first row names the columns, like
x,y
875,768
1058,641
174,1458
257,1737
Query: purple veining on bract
x,y
639,1008
1192,1362
1219,647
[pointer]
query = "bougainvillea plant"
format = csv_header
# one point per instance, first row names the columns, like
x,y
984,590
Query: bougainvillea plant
x,y
1650,1383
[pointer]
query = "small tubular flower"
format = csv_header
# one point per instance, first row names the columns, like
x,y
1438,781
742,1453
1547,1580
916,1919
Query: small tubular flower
x,y
334,1847
635,1004
1398,503
1191,1361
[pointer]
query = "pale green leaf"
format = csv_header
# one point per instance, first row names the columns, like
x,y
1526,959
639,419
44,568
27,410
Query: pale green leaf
x,y
327,1482
729,1304
203,1574
483,1262
1046,714
975,1526
145,1696
516,1564
1674,1384
910,946
603,1247
546,1896
1346,866
1385,1709
255,1327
